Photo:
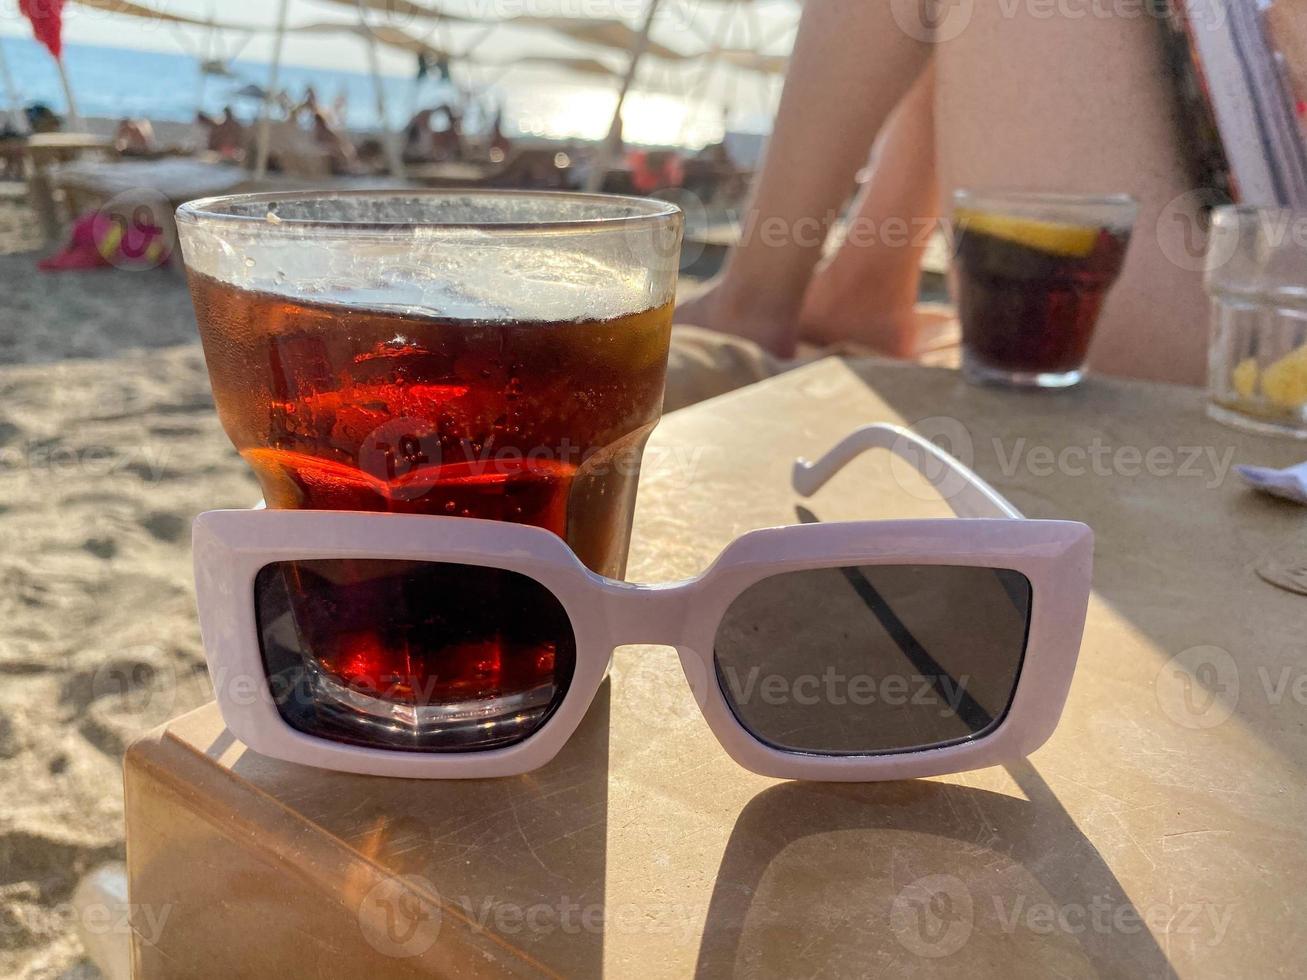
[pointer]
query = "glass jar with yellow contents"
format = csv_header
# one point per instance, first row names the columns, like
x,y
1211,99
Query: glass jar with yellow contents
x,y
1256,276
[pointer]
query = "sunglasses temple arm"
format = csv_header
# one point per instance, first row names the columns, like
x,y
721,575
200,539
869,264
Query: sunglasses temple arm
x,y
965,491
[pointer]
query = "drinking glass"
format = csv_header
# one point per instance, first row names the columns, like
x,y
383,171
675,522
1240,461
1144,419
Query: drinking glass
x,y
1032,273
497,355
1256,278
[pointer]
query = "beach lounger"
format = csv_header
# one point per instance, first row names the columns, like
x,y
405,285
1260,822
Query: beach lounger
x,y
528,167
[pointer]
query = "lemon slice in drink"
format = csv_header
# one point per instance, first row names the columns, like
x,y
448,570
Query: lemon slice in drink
x,y
1244,378
1284,382
1053,237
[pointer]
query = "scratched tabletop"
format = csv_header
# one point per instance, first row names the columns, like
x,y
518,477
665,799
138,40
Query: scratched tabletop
x,y
1160,831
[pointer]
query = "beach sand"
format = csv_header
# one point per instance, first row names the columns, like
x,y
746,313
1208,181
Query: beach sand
x,y
109,445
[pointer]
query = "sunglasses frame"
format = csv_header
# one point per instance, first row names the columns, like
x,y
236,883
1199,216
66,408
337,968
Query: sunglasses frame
x,y
230,547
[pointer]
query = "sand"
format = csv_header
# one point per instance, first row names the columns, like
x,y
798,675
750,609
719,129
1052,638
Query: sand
x,y
109,445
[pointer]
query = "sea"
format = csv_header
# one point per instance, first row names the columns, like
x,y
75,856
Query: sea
x,y
114,82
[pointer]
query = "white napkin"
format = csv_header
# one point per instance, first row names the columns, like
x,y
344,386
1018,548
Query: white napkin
x,y
1291,484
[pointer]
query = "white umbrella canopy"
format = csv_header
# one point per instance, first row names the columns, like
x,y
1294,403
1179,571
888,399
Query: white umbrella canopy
x,y
766,64
600,31
580,66
591,68
605,32
125,8
394,37
407,11
609,33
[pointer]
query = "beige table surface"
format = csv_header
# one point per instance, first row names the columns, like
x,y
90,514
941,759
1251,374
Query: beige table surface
x,y
1160,831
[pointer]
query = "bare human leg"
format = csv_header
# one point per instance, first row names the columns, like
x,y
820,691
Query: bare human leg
x,y
851,66
867,291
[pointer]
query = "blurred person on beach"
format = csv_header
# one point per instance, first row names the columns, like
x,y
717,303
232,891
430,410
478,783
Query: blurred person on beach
x,y
327,131
308,105
226,135
711,174
42,119
284,103
340,106
134,138
498,144
372,155
717,153
339,147
655,170
427,142
1013,99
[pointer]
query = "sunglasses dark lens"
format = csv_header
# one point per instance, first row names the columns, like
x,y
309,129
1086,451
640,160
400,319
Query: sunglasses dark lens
x,y
874,659
411,655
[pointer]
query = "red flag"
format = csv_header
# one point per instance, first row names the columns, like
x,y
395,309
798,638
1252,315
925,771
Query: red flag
x,y
47,22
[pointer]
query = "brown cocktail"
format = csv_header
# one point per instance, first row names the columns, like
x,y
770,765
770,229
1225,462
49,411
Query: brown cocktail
x,y
1032,272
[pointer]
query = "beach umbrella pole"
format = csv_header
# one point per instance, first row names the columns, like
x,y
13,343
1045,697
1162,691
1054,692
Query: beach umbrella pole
x,y
205,58
274,77
705,73
393,160
604,158
74,117
11,93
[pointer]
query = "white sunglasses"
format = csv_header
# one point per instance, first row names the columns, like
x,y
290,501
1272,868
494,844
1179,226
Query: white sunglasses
x,y
452,647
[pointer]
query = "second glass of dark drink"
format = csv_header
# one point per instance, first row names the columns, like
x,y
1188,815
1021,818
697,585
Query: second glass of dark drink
x,y
491,355
1032,272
